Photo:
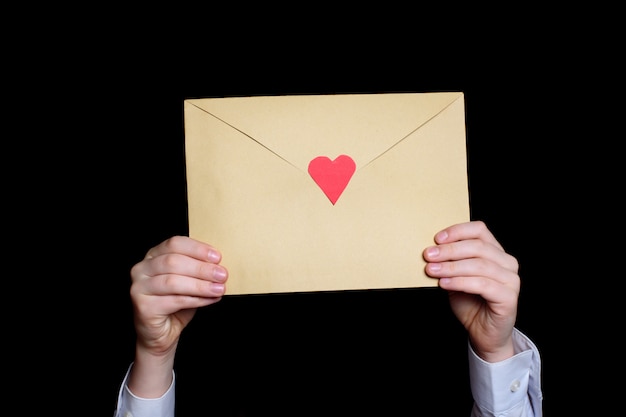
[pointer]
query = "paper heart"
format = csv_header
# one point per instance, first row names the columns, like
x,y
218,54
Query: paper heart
x,y
332,176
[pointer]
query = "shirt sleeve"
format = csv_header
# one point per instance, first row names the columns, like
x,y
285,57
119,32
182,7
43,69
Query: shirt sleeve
x,y
510,388
129,405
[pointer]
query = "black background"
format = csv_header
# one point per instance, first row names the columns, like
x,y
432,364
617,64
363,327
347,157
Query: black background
x,y
395,352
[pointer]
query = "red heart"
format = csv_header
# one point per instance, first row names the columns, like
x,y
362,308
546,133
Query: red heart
x,y
332,176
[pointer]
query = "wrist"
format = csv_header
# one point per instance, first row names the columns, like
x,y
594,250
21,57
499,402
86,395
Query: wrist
x,y
151,375
494,355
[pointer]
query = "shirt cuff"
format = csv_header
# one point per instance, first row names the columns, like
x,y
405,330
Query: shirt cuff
x,y
512,384
130,405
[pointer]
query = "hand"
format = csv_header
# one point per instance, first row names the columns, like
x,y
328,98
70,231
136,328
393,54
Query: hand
x,y
169,284
483,285
174,279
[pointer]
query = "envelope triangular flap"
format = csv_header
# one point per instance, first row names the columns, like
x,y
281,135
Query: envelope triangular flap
x,y
299,128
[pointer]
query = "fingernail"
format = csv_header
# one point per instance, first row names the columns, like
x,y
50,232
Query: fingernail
x,y
434,267
214,256
220,273
433,251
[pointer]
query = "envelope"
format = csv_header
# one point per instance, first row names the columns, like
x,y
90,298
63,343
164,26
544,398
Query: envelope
x,y
337,192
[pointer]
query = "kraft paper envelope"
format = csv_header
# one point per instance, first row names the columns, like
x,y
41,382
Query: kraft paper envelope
x,y
325,192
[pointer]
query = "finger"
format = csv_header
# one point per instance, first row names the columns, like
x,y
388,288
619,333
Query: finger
x,y
180,285
153,305
473,267
179,303
176,264
467,249
470,230
501,298
186,246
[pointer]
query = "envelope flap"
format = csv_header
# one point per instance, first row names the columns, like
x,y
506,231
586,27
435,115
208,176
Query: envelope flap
x,y
299,128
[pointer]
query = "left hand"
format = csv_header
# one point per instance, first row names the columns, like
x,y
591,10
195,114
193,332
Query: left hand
x,y
483,285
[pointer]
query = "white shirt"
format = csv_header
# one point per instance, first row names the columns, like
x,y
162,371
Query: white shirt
x,y
511,388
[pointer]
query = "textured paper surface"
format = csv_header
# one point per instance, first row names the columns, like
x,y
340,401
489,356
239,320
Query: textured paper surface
x,y
252,195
